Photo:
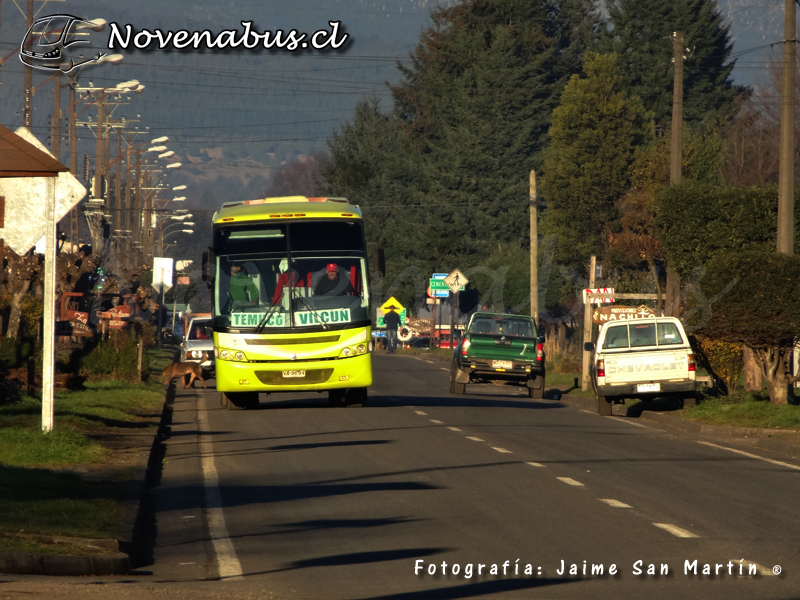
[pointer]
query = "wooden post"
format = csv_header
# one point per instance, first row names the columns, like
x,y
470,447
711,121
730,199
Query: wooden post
x,y
587,328
141,343
673,289
534,250
786,172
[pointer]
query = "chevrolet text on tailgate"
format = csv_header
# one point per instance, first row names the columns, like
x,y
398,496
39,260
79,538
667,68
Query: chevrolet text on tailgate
x,y
642,358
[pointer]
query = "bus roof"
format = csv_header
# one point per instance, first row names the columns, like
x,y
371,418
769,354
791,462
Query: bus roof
x,y
285,207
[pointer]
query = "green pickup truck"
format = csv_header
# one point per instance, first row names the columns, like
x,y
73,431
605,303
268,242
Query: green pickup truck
x,y
500,349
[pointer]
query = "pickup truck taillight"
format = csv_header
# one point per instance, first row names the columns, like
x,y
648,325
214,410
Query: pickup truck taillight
x,y
464,347
601,368
692,366
539,351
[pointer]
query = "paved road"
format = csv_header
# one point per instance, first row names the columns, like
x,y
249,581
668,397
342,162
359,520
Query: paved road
x,y
299,500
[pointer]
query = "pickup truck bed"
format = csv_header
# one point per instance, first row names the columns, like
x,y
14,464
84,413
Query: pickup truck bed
x,y
645,359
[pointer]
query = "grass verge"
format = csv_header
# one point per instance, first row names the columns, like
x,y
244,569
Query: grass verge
x,y
40,494
744,409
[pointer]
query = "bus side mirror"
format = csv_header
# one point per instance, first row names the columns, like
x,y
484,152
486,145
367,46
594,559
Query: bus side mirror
x,y
208,267
588,346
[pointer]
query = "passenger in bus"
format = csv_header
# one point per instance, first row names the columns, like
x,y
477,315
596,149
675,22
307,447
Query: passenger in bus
x,y
242,287
333,284
283,280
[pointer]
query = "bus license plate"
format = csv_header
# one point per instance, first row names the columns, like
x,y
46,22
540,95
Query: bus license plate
x,y
294,373
648,387
502,364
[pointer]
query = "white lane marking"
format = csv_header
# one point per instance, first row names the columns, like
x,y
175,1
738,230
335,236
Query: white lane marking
x,y
615,503
756,456
429,361
188,516
419,412
474,439
628,422
588,412
454,429
502,450
534,464
443,369
437,422
227,561
569,481
675,530
764,571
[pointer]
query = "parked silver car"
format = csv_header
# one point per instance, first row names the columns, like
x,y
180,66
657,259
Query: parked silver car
x,y
199,340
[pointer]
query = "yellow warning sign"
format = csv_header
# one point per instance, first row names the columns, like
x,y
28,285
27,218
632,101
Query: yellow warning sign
x,y
384,308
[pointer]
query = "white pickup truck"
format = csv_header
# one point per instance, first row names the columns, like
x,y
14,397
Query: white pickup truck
x,y
642,358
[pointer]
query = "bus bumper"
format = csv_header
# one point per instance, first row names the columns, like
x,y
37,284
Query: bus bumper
x,y
343,373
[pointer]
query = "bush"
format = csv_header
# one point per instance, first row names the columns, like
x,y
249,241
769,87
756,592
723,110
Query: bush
x,y
724,360
32,314
14,352
117,357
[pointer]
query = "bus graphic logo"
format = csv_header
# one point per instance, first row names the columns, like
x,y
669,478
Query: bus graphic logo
x,y
54,37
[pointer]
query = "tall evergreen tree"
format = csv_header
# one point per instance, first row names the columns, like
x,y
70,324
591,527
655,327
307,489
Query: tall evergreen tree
x,y
641,34
476,102
594,134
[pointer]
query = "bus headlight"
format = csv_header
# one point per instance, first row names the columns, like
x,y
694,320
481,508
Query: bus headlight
x,y
360,349
347,352
235,355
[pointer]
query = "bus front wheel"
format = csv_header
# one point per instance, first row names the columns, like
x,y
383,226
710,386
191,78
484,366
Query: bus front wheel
x,y
241,400
352,397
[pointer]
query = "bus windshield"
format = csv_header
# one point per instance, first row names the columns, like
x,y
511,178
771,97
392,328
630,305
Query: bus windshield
x,y
290,275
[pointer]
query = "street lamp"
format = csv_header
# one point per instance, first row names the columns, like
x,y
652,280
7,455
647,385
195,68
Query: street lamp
x,y
179,199
174,165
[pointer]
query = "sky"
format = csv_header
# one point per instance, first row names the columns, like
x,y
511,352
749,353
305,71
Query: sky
x,y
239,116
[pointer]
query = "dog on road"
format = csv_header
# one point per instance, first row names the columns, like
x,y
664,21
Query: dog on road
x,y
189,371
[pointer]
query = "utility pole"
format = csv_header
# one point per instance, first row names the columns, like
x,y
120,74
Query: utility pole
x,y
27,116
117,224
587,329
55,132
786,171
138,225
98,161
673,290
534,250
73,159
128,209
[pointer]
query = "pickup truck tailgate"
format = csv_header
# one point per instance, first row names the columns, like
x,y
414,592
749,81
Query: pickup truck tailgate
x,y
632,367
508,348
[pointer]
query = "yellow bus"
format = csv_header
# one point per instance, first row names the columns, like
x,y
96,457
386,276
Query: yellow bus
x,y
291,306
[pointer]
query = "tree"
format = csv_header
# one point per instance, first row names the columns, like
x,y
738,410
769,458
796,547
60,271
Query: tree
x,y
476,103
299,178
373,165
756,304
637,242
641,35
594,134
19,273
696,222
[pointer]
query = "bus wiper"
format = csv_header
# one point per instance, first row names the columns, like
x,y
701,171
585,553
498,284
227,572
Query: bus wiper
x,y
325,326
267,316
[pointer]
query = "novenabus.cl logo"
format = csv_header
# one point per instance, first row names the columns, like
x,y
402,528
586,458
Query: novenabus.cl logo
x,y
53,41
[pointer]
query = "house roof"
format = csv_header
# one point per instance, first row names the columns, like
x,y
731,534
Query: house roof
x,y
19,158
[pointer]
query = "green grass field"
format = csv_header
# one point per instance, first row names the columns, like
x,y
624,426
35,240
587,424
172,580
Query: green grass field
x,y
39,494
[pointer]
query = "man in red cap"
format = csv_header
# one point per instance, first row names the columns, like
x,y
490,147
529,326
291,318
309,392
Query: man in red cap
x,y
332,284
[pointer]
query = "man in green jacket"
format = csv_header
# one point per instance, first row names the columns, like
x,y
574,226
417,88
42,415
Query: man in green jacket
x,y
242,287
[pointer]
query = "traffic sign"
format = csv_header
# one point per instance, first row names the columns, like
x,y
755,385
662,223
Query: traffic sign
x,y
384,308
438,289
456,281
